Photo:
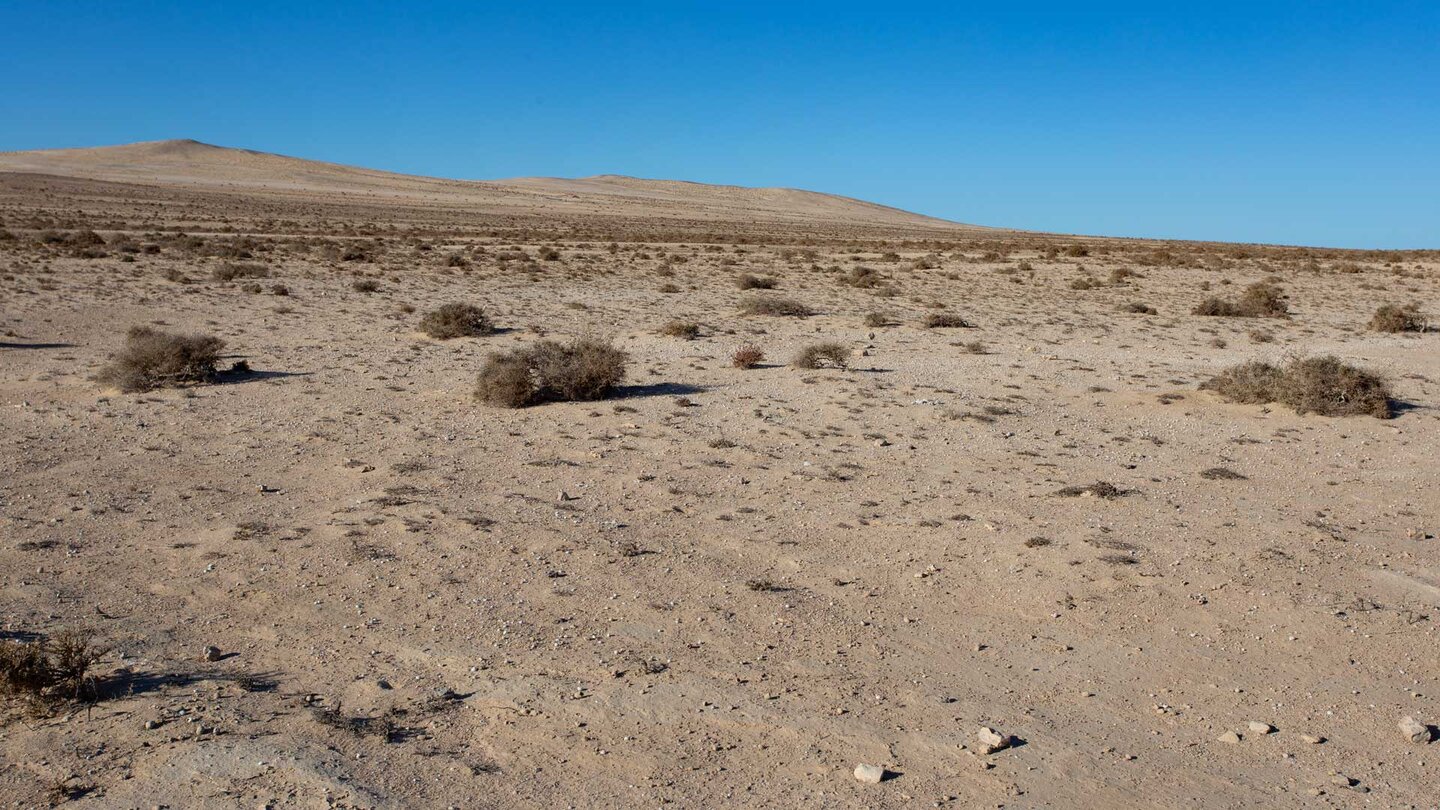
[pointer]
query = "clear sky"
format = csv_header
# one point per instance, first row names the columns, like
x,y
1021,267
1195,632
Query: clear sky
x,y
1290,122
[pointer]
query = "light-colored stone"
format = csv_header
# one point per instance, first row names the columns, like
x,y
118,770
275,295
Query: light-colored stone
x,y
211,653
1260,728
1414,730
1229,737
869,774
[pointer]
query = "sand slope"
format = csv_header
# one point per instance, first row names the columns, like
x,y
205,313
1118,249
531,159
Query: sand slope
x,y
193,164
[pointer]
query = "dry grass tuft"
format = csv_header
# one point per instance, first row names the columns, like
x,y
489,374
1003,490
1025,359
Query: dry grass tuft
x,y
747,281
582,370
456,320
685,330
154,359
1321,385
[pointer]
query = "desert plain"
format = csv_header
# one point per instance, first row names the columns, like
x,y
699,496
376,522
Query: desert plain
x,y
1000,545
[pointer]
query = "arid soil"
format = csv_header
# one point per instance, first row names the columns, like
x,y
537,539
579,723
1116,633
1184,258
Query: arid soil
x,y
720,587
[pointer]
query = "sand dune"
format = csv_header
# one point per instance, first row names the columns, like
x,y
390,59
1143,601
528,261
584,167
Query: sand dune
x,y
189,163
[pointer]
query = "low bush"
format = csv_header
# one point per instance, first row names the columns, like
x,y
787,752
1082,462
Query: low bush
x,y
548,371
1260,300
456,320
946,320
154,359
746,281
774,305
1321,385
748,356
1397,318
54,669
685,330
822,355
230,272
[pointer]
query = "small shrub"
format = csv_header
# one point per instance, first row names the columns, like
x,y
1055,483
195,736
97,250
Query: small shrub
x,y
230,272
1322,385
1261,336
748,356
456,320
877,319
366,285
774,305
1137,308
152,359
863,277
685,330
54,669
582,370
1397,318
946,320
1260,300
822,355
746,281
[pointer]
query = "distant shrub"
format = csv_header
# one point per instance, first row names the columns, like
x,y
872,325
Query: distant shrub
x,y
366,285
946,320
230,272
746,281
1397,318
153,359
821,355
774,305
456,320
748,356
547,371
686,330
863,277
877,319
1322,385
1137,308
1260,300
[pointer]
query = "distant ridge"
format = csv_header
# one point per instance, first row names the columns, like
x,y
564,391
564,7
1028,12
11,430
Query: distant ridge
x,y
193,164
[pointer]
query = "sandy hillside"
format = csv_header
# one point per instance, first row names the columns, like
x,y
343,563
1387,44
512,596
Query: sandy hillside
x,y
330,577
192,164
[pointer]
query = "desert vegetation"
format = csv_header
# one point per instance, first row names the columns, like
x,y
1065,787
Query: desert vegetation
x,y
153,359
550,371
1321,385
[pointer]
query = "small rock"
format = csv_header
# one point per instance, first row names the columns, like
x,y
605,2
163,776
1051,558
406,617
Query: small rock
x,y
211,653
869,774
1414,730
1229,737
151,725
991,740
1259,727
1311,739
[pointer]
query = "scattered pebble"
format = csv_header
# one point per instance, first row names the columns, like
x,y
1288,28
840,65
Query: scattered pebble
x,y
869,774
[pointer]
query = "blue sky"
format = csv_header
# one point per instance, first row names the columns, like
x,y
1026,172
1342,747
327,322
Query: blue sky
x,y
1288,122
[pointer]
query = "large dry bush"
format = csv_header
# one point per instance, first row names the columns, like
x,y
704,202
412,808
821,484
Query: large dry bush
x,y
1260,300
456,320
1322,385
1397,318
822,355
154,359
548,371
774,305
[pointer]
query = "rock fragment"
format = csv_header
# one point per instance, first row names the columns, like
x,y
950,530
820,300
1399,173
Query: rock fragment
x,y
869,774
1414,730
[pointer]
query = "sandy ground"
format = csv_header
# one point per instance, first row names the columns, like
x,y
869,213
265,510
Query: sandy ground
x,y
722,587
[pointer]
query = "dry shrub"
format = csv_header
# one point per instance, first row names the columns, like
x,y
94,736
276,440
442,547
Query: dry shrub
x,y
877,320
153,359
746,281
863,277
748,356
50,670
1260,300
774,305
1137,308
822,355
366,285
1322,385
685,330
456,320
547,371
946,320
230,272
1397,318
